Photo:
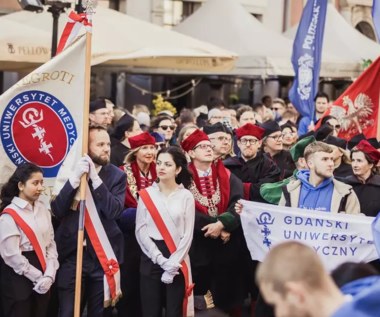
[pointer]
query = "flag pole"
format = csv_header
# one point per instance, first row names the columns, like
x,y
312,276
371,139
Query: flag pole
x,y
83,182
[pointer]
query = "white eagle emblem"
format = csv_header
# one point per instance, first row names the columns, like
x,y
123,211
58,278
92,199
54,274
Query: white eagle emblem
x,y
355,115
305,76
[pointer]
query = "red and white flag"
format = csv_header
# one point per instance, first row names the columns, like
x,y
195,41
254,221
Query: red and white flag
x,y
72,28
357,109
41,115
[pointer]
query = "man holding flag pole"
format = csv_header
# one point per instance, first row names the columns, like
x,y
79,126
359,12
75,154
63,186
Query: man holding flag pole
x,y
306,60
99,244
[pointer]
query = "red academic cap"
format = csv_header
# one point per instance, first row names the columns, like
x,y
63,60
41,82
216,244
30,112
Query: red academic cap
x,y
193,139
141,139
250,129
367,148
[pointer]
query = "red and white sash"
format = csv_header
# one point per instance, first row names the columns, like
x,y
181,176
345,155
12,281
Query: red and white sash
x,y
104,252
30,234
171,237
72,28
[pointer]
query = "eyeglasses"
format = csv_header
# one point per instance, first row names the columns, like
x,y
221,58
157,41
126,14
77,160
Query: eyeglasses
x,y
160,145
220,138
203,146
275,137
165,127
248,141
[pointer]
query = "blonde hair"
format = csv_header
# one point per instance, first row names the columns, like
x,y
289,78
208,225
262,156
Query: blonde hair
x,y
291,262
315,147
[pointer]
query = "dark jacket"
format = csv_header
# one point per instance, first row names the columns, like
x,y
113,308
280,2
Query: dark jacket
x,y
118,153
109,200
257,171
285,163
368,193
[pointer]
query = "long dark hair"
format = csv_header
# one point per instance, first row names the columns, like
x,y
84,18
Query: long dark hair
x,y
10,189
184,177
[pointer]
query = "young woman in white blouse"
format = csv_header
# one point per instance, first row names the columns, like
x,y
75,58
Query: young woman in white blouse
x,y
164,231
28,251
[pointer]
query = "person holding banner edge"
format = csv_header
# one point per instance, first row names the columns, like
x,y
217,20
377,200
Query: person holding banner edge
x,y
107,186
28,249
164,230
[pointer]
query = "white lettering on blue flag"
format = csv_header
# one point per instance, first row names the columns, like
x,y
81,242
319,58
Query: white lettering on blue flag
x,y
337,238
306,57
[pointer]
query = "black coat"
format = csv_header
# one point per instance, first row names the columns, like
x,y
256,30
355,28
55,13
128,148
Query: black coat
x,y
220,262
285,163
118,153
109,200
368,193
256,171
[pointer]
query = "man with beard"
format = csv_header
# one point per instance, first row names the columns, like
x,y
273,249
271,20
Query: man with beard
x,y
317,188
217,134
215,249
252,167
107,184
140,170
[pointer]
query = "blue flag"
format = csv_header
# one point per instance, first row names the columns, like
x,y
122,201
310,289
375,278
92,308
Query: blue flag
x,y
376,17
306,57
376,232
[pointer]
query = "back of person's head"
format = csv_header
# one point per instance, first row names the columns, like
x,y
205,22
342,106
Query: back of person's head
x,y
125,123
350,271
291,262
215,102
316,147
11,188
140,108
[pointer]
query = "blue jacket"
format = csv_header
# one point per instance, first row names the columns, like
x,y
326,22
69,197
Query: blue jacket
x,y
365,304
317,198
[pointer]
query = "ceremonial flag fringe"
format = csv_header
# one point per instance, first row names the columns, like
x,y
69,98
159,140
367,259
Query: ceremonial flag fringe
x,y
72,28
306,57
357,108
41,115
336,238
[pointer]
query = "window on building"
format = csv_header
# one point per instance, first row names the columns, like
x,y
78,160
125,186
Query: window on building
x,y
172,12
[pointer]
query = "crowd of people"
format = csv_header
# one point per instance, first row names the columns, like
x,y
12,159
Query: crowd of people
x,y
166,191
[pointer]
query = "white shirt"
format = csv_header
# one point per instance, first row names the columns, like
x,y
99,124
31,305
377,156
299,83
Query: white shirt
x,y
181,209
13,240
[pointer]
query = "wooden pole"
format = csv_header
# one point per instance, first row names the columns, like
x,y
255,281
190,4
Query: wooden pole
x,y
82,187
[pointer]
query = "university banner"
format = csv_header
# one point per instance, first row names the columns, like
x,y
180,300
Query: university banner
x,y
306,57
41,116
337,238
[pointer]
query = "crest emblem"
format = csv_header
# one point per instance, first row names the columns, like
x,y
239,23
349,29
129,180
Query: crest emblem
x,y
265,219
305,76
354,116
36,127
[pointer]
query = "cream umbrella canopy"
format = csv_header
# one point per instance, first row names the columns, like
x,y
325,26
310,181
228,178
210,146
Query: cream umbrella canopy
x,y
121,40
262,52
21,47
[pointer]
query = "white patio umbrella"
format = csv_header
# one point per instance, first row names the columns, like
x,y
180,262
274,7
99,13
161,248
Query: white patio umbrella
x,y
22,47
121,40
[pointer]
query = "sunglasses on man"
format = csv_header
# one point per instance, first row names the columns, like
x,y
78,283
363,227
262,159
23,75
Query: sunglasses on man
x,y
165,127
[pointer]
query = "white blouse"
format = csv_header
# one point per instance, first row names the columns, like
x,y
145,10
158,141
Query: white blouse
x,y
181,209
13,240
